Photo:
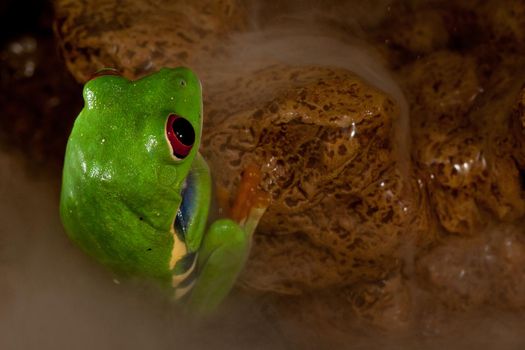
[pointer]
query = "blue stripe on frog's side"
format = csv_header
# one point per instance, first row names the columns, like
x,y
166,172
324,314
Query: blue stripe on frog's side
x,y
186,264
186,208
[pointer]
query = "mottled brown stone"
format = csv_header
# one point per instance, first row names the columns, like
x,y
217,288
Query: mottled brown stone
x,y
505,20
460,132
143,36
324,139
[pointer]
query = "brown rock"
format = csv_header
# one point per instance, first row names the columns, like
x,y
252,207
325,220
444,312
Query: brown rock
x,y
422,33
460,134
441,85
324,139
135,39
506,20
334,316
488,270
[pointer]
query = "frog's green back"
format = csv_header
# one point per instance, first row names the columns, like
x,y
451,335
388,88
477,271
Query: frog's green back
x,y
121,184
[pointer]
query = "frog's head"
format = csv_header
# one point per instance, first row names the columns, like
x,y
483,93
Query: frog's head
x,y
129,153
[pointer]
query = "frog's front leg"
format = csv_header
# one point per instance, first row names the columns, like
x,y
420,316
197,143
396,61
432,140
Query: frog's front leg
x,y
224,251
226,245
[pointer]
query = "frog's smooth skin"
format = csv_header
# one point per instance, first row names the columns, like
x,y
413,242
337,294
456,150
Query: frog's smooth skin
x,y
136,191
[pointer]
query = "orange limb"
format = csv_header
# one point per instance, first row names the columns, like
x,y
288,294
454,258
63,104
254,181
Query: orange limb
x,y
250,202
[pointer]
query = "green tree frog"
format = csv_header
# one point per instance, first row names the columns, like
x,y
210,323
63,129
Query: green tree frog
x,y
136,191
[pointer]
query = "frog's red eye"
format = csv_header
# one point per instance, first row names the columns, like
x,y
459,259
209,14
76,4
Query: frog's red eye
x,y
181,135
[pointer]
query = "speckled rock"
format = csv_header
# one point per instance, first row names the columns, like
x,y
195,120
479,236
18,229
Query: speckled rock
x,y
324,139
459,155
352,232
506,20
418,35
135,39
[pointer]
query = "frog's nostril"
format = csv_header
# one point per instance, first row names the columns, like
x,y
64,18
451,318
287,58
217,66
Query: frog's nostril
x,y
180,135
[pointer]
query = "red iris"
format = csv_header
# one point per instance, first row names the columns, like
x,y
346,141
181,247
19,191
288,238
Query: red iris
x,y
180,134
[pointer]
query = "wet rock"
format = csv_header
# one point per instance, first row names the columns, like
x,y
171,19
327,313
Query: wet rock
x,y
135,39
324,139
442,86
460,133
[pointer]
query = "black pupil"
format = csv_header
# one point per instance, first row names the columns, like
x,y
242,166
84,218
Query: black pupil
x,y
184,131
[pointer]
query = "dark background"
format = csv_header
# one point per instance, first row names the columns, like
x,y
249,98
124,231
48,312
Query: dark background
x,y
38,97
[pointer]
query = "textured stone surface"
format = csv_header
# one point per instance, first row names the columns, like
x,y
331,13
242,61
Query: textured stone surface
x,y
458,130
340,208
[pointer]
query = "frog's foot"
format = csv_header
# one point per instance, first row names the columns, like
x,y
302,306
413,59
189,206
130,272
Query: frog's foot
x,y
251,203
226,246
